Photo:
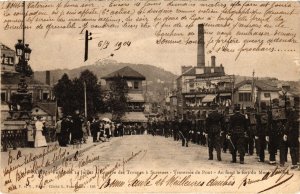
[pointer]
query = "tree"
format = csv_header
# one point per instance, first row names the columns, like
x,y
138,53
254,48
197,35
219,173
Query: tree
x,y
93,92
70,94
117,97
63,94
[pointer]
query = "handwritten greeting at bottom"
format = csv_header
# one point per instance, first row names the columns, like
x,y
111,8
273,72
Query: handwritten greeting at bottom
x,y
86,169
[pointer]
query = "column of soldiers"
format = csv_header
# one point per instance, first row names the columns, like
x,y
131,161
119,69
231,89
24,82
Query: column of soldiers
x,y
242,133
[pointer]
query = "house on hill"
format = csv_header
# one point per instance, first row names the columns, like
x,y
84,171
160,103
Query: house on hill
x,y
136,100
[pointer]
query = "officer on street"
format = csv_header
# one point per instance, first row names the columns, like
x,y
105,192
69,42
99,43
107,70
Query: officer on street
x,y
236,134
214,130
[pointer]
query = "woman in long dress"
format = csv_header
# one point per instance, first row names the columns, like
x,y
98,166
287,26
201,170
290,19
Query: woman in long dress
x,y
39,140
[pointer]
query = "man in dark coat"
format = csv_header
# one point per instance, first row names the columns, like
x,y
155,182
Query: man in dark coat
x,y
251,122
291,136
95,128
236,134
184,131
77,133
213,130
274,134
65,131
175,128
260,134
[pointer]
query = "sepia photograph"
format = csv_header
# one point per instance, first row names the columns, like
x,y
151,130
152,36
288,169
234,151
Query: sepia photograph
x,y
150,96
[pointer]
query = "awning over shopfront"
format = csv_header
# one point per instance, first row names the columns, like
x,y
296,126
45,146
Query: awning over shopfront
x,y
134,117
136,97
208,98
105,115
225,94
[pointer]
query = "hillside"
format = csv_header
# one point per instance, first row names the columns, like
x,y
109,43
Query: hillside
x,y
153,74
157,78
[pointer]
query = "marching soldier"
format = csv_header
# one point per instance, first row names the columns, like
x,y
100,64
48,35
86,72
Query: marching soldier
x,y
251,122
274,135
260,134
291,136
226,126
184,131
175,129
214,130
236,134
201,127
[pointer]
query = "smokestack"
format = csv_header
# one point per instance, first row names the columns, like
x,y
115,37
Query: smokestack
x,y
48,78
200,51
213,61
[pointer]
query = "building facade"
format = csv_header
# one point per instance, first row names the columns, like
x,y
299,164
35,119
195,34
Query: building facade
x,y
135,97
40,92
200,86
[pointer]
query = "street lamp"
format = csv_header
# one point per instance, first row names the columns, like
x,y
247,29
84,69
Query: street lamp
x,y
19,48
27,52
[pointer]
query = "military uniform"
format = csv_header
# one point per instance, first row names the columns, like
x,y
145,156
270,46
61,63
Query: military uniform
x,y
201,129
226,129
175,129
214,128
260,134
274,134
185,127
237,131
291,134
251,122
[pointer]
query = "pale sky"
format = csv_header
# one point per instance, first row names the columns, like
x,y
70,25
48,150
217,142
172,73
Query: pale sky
x,y
65,49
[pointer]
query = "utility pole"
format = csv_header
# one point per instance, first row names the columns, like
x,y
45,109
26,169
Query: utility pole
x,y
252,88
86,46
85,105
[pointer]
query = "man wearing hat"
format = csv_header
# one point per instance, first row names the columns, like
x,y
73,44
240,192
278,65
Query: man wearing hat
x,y
260,134
184,131
291,136
274,134
95,128
175,128
251,122
236,134
213,130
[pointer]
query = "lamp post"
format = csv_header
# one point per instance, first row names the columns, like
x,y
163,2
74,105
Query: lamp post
x,y
23,99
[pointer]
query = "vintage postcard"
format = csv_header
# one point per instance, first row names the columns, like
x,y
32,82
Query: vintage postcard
x,y
150,96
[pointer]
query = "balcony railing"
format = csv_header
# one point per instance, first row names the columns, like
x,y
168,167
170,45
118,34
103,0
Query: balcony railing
x,y
18,138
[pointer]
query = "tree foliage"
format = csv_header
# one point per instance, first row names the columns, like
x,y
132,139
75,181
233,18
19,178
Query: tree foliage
x,y
70,94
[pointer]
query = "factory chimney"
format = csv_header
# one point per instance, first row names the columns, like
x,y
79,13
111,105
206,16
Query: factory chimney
x,y
200,51
48,78
213,61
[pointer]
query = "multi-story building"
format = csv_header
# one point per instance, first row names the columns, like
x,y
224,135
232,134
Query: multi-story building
x,y
42,93
199,86
136,100
258,93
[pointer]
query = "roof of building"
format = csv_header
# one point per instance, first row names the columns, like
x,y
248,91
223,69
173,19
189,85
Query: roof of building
x,y
260,84
3,46
125,72
14,79
48,107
